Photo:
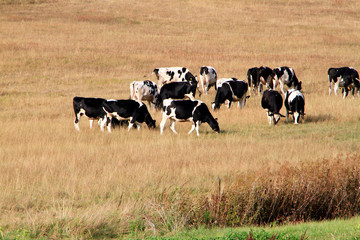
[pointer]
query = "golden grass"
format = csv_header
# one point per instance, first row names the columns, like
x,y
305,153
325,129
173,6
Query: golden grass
x,y
51,51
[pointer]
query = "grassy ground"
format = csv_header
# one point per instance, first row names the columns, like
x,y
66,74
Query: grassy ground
x,y
57,182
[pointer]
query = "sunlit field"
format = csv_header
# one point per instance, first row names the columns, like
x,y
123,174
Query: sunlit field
x,y
56,181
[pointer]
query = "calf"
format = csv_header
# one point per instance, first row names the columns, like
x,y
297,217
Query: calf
x,y
91,108
144,90
176,90
208,78
253,80
134,111
232,90
294,104
173,74
286,76
272,102
187,111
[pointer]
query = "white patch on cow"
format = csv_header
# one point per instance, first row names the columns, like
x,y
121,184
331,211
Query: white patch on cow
x,y
221,81
293,94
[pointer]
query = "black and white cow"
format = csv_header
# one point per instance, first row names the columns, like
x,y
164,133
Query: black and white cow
x,y
254,80
208,78
294,104
272,102
266,77
173,74
92,108
345,77
144,90
187,111
134,111
286,76
232,90
176,90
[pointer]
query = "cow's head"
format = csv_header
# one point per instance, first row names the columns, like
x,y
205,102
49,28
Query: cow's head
x,y
214,125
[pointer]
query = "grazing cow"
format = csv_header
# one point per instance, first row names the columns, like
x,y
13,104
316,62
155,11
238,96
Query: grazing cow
x,y
176,90
144,90
294,104
208,78
173,74
187,111
286,76
272,102
134,111
345,77
91,108
266,77
232,90
254,80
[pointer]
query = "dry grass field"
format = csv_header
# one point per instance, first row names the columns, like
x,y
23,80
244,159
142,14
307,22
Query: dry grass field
x,y
58,182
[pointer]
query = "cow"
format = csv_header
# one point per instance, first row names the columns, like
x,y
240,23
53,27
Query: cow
x,y
272,102
232,90
89,107
286,76
134,111
176,90
165,75
254,80
144,90
208,78
345,77
294,104
187,111
266,77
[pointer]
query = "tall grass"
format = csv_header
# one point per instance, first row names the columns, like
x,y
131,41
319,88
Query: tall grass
x,y
57,182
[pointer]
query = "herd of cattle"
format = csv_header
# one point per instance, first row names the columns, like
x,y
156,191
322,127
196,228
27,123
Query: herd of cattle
x,y
174,95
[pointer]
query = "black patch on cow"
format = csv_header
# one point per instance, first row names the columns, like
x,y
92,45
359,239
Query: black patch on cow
x,y
184,69
183,109
189,77
204,69
171,74
272,100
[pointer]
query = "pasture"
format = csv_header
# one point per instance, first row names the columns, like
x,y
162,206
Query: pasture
x,y
56,182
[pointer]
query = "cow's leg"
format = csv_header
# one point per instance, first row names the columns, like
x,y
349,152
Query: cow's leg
x,y
108,124
336,87
296,117
229,104
103,122
76,121
346,92
287,115
131,123
162,124
91,121
192,128
197,127
331,87
282,87
269,118
172,126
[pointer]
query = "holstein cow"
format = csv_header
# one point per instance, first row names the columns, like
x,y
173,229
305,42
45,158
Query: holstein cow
x,y
272,102
176,90
134,111
254,80
173,74
232,90
144,90
345,77
266,77
208,78
187,111
286,76
92,108
294,104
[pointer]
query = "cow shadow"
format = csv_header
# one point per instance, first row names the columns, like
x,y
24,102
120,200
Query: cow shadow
x,y
318,118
